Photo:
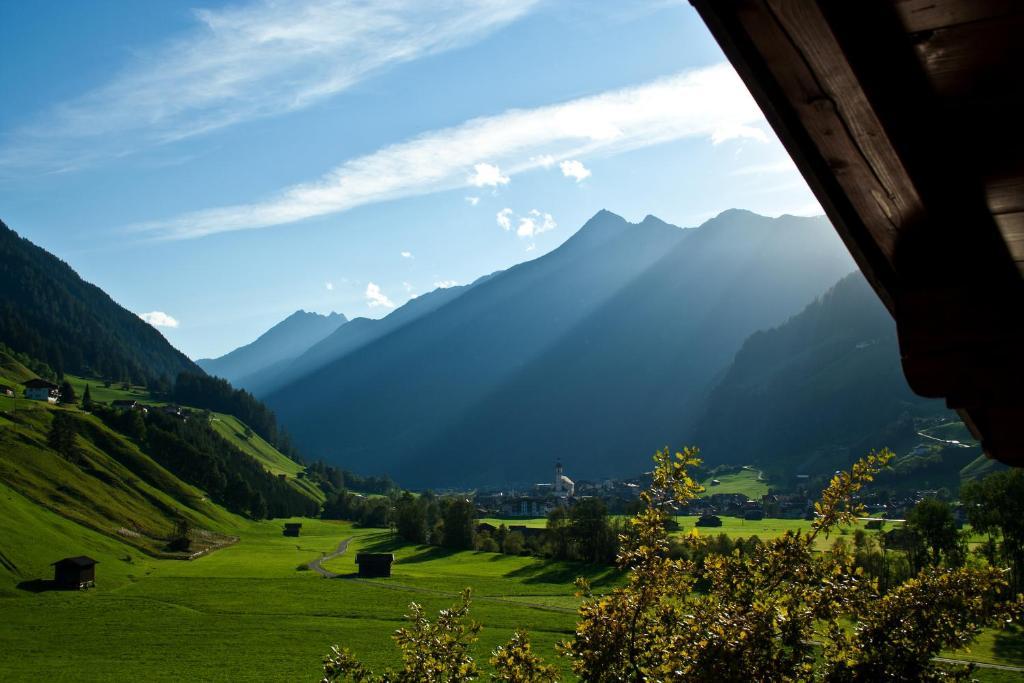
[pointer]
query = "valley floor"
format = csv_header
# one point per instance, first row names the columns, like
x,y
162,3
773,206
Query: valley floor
x,y
255,611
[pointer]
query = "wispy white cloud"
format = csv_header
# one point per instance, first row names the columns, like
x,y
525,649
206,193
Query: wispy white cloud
x,y
375,297
574,169
543,160
445,284
472,201
504,219
244,62
159,319
407,254
487,175
535,223
709,103
530,225
329,286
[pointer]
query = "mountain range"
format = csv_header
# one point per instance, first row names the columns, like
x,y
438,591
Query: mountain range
x,y
595,354
277,346
628,337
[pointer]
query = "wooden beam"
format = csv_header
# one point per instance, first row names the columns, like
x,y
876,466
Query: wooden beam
x,y
927,15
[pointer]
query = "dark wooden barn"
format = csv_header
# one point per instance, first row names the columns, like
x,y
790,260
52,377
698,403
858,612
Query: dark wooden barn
x,y
74,573
292,528
903,117
708,520
373,565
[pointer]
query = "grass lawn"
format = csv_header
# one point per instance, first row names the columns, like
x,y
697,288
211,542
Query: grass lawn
x,y
248,613
747,481
114,392
251,612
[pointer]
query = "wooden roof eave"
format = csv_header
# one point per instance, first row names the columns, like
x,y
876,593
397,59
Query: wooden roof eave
x,y
916,225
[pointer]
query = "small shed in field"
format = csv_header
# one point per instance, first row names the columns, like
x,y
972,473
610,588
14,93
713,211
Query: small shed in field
x,y
292,528
709,520
75,572
374,564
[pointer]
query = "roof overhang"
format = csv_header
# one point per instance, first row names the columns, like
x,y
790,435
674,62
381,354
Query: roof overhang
x,y
902,115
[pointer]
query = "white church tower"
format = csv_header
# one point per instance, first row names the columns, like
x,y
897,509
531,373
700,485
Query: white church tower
x,y
564,486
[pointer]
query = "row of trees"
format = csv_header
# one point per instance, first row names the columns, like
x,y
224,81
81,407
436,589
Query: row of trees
x,y
194,452
334,479
216,394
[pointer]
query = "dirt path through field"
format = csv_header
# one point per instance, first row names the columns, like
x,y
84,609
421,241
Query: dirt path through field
x,y
317,564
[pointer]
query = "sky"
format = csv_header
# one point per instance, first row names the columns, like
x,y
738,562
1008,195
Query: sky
x,y
215,167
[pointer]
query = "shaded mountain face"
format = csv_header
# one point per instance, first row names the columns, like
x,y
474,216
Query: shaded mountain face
x,y
817,392
595,354
48,312
344,340
281,343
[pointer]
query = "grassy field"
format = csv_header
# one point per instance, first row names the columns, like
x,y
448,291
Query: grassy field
x,y
251,612
248,613
747,481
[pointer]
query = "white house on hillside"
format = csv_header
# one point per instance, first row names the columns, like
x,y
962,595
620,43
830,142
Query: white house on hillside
x,y
41,390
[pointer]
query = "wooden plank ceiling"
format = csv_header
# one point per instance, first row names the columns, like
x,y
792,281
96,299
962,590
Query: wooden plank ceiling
x,y
905,118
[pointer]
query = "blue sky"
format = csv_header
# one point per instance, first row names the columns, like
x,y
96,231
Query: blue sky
x,y
219,166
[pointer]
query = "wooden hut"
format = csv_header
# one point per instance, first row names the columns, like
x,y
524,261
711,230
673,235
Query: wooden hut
x,y
292,528
75,572
373,565
709,520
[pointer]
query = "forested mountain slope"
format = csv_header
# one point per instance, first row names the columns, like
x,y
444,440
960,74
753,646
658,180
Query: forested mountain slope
x,y
816,392
48,312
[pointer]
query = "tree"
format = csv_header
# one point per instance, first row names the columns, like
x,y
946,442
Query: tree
x,y
558,533
411,518
62,434
591,535
995,506
459,516
67,393
931,522
181,541
514,543
437,651
87,399
516,663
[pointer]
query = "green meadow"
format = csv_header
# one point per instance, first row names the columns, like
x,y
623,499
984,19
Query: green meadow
x,y
748,481
251,612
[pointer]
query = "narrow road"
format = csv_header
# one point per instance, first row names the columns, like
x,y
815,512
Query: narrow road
x,y
317,564
950,442
980,665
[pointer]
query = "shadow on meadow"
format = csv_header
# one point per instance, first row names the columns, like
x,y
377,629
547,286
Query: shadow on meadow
x,y
1008,644
42,586
565,573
